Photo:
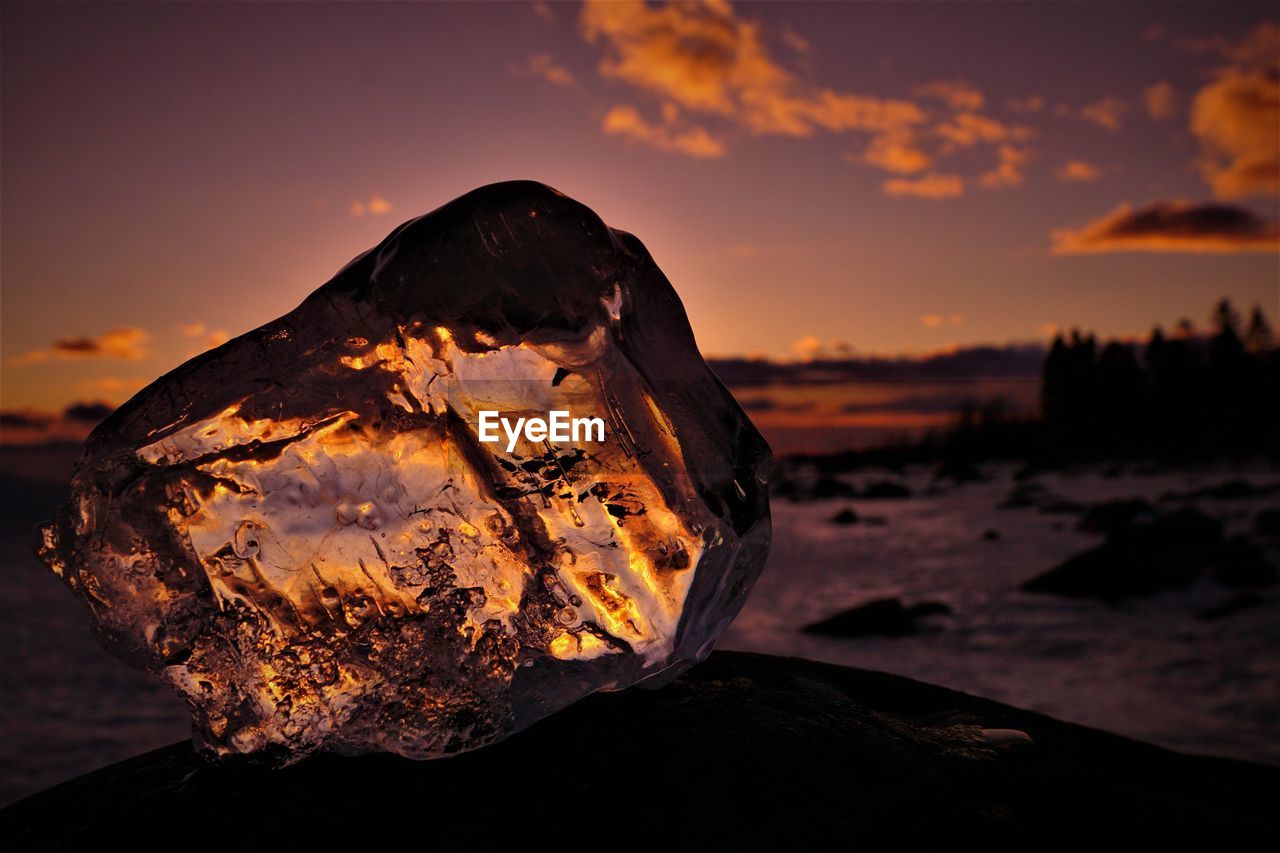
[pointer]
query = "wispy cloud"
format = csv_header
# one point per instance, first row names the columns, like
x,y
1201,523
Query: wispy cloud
x,y
665,135
544,67
931,186
1107,113
209,337
1008,169
1171,227
1160,100
375,205
1077,172
956,94
939,321
125,342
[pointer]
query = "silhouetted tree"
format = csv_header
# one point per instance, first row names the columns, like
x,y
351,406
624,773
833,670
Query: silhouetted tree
x,y
1259,338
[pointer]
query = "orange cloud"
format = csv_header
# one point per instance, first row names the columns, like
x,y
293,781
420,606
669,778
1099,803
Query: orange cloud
x,y
967,129
374,206
956,94
1172,227
1077,172
1107,113
695,141
126,342
931,186
1008,171
809,347
895,153
542,66
1160,101
706,59
1237,119
938,321
114,388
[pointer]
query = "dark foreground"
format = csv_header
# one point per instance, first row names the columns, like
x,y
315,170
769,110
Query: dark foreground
x,y
743,751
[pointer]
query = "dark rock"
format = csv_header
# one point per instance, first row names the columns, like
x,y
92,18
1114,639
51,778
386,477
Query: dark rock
x,y
959,471
1024,494
845,516
1109,517
990,535
742,752
826,488
1229,490
1267,522
1243,601
885,489
884,617
1168,553
1061,506
1241,563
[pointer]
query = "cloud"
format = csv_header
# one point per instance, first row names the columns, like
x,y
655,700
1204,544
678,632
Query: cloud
x,y
88,413
967,129
212,337
795,41
1077,172
1008,171
113,387
1160,101
1107,113
931,186
704,58
1029,104
1236,117
809,347
956,94
1172,227
542,10
894,152
695,141
125,342
938,321
376,205
542,66
25,419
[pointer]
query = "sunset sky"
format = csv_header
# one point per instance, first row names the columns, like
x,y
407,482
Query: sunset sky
x,y
813,178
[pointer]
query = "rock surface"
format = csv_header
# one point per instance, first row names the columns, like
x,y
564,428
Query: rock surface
x,y
742,752
306,534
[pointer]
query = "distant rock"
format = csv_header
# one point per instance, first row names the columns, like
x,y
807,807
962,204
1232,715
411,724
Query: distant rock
x,y
885,489
1230,490
1111,517
1024,494
826,488
1243,601
1242,564
1060,506
845,516
885,617
1168,553
959,471
1267,522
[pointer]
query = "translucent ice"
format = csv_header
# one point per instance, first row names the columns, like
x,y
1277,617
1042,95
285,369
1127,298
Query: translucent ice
x,y
302,533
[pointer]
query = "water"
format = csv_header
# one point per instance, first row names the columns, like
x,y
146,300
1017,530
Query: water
x,y
1150,668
